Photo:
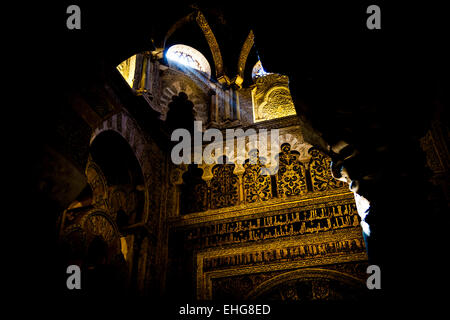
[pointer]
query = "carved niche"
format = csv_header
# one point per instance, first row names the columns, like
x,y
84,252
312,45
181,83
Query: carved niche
x,y
125,204
194,191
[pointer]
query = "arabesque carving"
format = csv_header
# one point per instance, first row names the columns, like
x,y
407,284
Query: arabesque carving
x,y
291,180
257,187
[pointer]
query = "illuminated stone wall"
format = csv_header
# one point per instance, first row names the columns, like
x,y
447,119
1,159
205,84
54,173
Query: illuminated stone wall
x,y
269,98
272,98
317,230
127,69
239,225
226,230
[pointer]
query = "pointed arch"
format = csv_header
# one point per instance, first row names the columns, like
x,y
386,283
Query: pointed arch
x,y
306,275
245,50
212,42
201,21
186,19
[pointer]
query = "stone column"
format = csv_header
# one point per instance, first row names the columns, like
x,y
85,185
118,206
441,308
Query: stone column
x,y
227,110
213,111
144,78
237,107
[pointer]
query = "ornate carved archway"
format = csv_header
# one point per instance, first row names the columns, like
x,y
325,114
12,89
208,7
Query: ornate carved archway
x,y
323,285
126,126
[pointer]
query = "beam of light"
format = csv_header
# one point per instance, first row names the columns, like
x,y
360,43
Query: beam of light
x,y
182,55
258,70
192,63
363,206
